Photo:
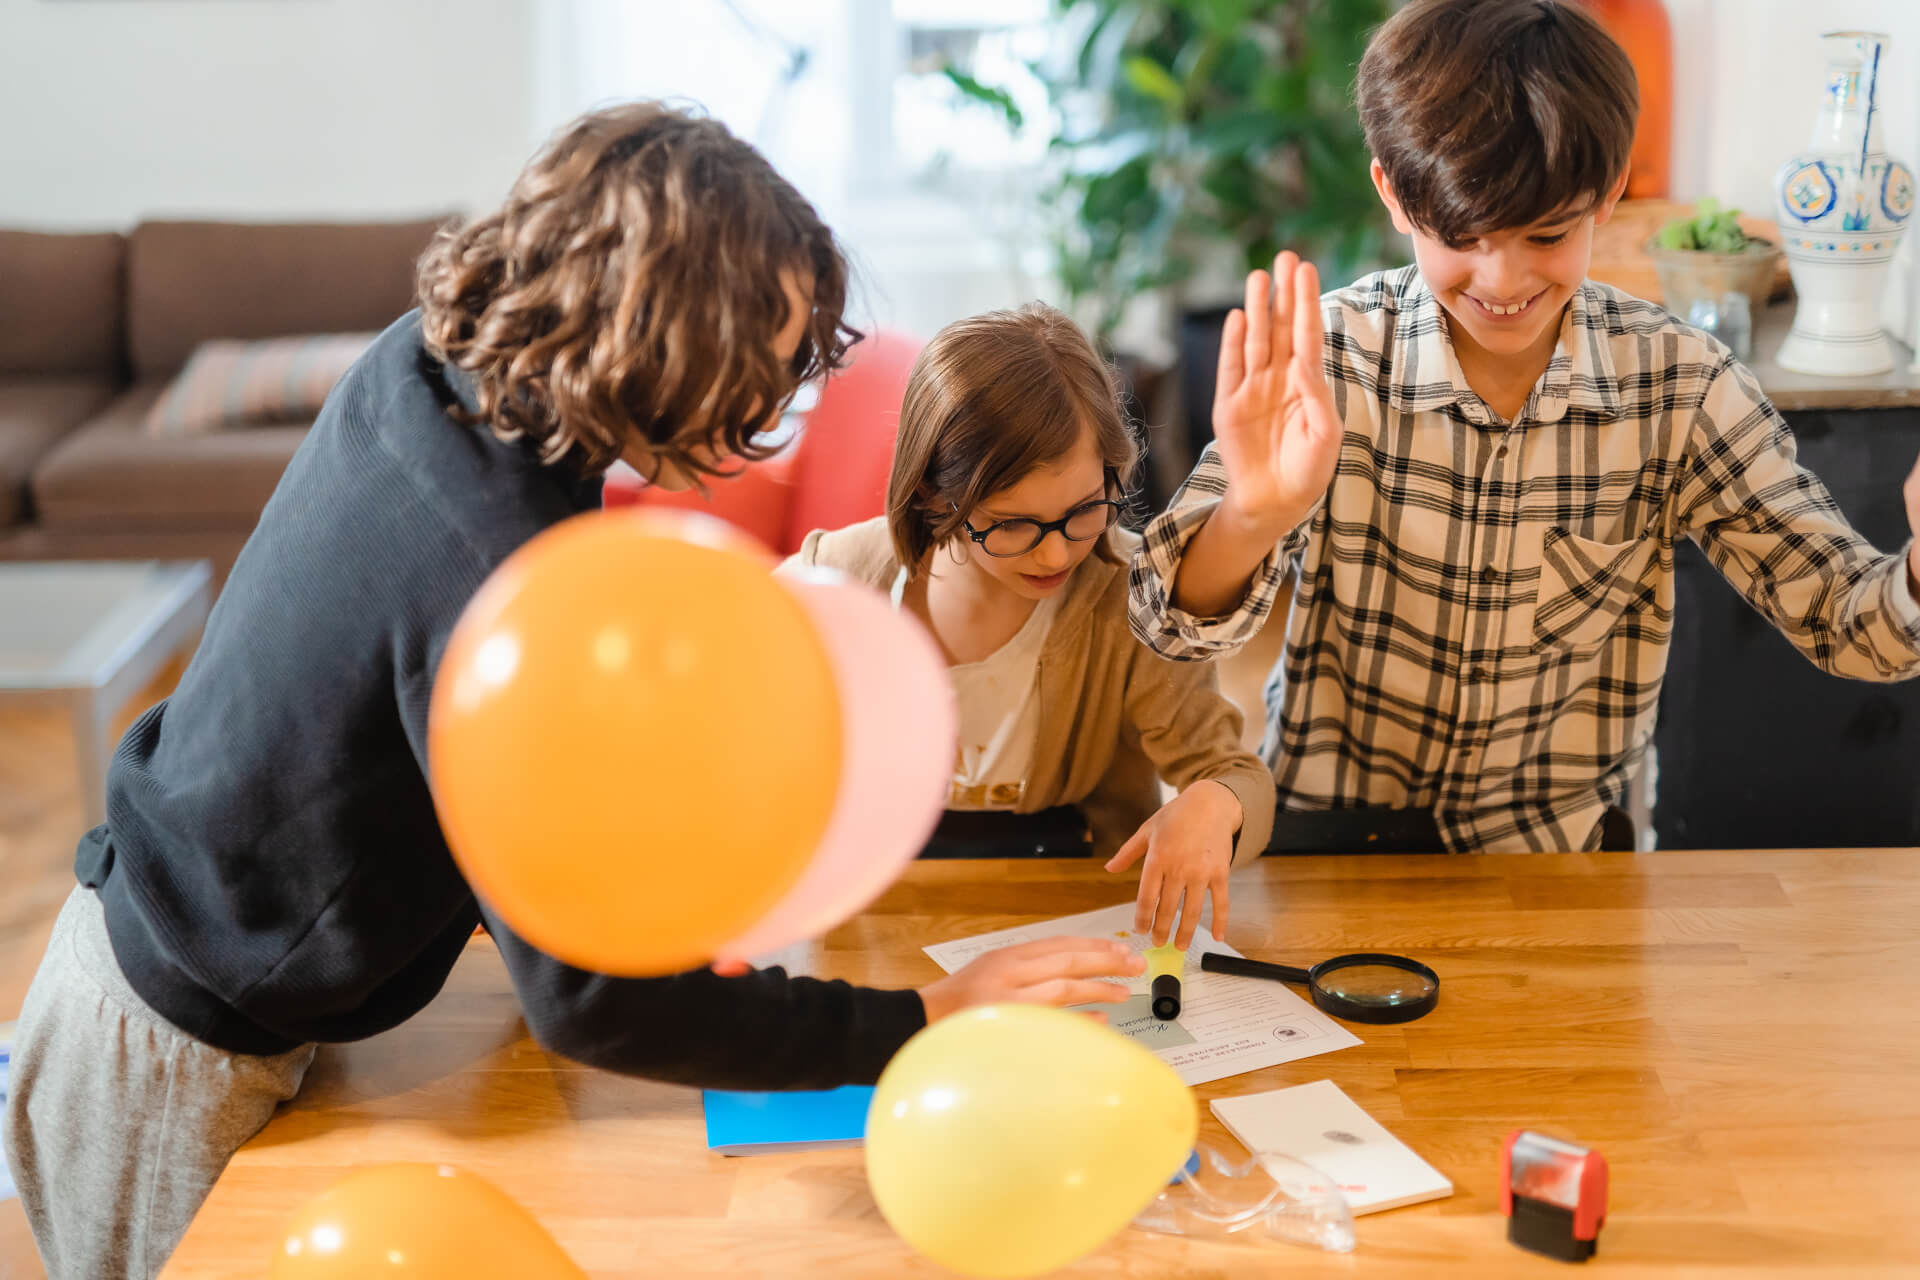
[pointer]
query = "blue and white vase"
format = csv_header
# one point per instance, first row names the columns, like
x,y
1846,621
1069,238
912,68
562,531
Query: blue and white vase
x,y
1843,206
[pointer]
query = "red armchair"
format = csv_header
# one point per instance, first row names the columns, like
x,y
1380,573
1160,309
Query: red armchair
x,y
835,475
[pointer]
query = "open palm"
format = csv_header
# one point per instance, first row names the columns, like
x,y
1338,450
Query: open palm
x,y
1274,423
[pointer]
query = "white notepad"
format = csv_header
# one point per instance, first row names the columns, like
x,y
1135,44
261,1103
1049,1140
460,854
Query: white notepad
x,y
1324,1127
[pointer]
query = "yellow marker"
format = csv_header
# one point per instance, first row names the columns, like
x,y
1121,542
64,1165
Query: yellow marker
x,y
1165,963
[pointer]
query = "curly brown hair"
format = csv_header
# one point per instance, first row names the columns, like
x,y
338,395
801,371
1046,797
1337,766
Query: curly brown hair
x,y
629,290
991,398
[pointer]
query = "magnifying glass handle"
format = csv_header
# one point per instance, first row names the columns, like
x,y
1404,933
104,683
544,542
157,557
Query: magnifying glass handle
x,y
1241,967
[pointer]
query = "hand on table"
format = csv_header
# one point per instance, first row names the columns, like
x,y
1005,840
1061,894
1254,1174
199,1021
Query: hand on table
x,y
1056,971
1188,847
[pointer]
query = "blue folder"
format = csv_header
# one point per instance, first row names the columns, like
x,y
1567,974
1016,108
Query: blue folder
x,y
745,1124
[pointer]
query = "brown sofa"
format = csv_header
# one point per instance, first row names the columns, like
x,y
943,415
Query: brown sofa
x,y
94,327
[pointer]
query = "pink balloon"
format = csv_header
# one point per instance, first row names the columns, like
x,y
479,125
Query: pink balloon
x,y
899,724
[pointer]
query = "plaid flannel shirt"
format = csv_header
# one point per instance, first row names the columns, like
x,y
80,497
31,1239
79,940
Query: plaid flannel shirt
x,y
1482,609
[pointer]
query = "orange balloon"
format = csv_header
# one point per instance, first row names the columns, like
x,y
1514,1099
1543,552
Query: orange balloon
x,y
417,1222
635,742
699,528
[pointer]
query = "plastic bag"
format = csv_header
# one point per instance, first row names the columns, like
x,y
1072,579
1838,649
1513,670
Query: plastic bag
x,y
1266,1194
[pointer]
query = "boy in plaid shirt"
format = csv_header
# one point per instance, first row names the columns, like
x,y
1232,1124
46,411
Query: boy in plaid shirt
x,y
1473,472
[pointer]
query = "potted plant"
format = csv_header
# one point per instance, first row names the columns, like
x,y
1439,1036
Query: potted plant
x,y
1191,141
1706,255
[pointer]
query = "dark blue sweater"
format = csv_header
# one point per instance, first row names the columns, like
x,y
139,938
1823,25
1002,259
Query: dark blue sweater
x,y
271,867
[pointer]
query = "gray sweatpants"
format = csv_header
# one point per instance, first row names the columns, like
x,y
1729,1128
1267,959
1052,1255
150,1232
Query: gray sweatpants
x,y
118,1123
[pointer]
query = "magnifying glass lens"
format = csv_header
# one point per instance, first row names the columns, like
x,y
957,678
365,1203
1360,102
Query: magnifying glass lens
x,y
1366,986
1376,986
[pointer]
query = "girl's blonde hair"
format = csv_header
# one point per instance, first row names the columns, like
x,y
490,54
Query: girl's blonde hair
x,y
991,398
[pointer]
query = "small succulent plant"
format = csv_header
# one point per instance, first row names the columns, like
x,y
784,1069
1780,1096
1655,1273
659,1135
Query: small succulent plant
x,y
1711,229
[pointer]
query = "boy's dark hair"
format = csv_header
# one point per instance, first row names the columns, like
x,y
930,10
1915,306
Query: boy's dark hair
x,y
991,398
630,287
1493,115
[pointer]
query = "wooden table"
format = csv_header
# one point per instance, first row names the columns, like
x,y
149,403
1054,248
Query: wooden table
x,y
1737,1032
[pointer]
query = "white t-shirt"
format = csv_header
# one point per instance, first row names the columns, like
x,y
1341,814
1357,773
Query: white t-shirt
x,y
999,703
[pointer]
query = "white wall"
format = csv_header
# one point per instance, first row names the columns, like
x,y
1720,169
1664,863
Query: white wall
x,y
115,110
1747,79
590,52
919,262
120,109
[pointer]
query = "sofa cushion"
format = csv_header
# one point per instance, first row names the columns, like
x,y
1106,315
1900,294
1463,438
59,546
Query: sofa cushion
x,y
231,384
110,473
61,303
34,413
188,282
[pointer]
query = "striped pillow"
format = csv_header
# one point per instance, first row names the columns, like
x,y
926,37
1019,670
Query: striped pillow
x,y
228,384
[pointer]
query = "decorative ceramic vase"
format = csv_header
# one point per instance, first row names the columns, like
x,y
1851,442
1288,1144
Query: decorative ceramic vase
x,y
1843,205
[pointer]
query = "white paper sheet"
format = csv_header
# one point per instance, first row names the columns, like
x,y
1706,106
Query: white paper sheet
x,y
1227,1024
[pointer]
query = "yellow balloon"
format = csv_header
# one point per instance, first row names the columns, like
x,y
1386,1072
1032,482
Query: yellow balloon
x,y
1010,1140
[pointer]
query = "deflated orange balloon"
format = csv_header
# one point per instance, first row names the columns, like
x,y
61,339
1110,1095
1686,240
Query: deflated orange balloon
x,y
634,741
418,1222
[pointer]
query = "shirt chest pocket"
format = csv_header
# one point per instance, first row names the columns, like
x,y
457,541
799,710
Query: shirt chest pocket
x,y
1588,587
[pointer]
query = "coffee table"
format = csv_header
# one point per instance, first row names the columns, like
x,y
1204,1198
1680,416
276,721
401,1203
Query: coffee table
x,y
88,635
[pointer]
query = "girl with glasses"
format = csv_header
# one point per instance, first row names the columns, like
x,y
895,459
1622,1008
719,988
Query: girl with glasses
x,y
1002,537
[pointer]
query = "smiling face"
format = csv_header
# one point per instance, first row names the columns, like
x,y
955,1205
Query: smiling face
x,y
1501,133
1504,290
1051,491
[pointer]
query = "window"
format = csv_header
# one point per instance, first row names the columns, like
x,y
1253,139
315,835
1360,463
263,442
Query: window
x,y
942,137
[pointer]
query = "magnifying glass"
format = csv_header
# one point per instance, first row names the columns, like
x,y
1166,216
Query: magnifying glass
x,y
1363,987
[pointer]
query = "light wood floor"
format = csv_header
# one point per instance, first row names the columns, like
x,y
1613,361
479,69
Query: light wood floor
x,y
40,820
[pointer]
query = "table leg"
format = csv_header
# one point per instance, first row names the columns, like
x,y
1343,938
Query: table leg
x,y
93,752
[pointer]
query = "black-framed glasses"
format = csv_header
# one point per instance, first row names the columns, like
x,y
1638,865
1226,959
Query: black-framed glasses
x,y
1005,539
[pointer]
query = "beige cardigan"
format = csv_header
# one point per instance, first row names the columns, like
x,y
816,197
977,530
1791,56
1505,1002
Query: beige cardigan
x,y
1113,714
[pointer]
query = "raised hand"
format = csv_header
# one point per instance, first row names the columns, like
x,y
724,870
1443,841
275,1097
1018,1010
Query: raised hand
x,y
1274,423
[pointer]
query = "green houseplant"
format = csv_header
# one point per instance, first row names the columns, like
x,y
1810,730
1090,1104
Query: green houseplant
x,y
1191,140
1706,255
